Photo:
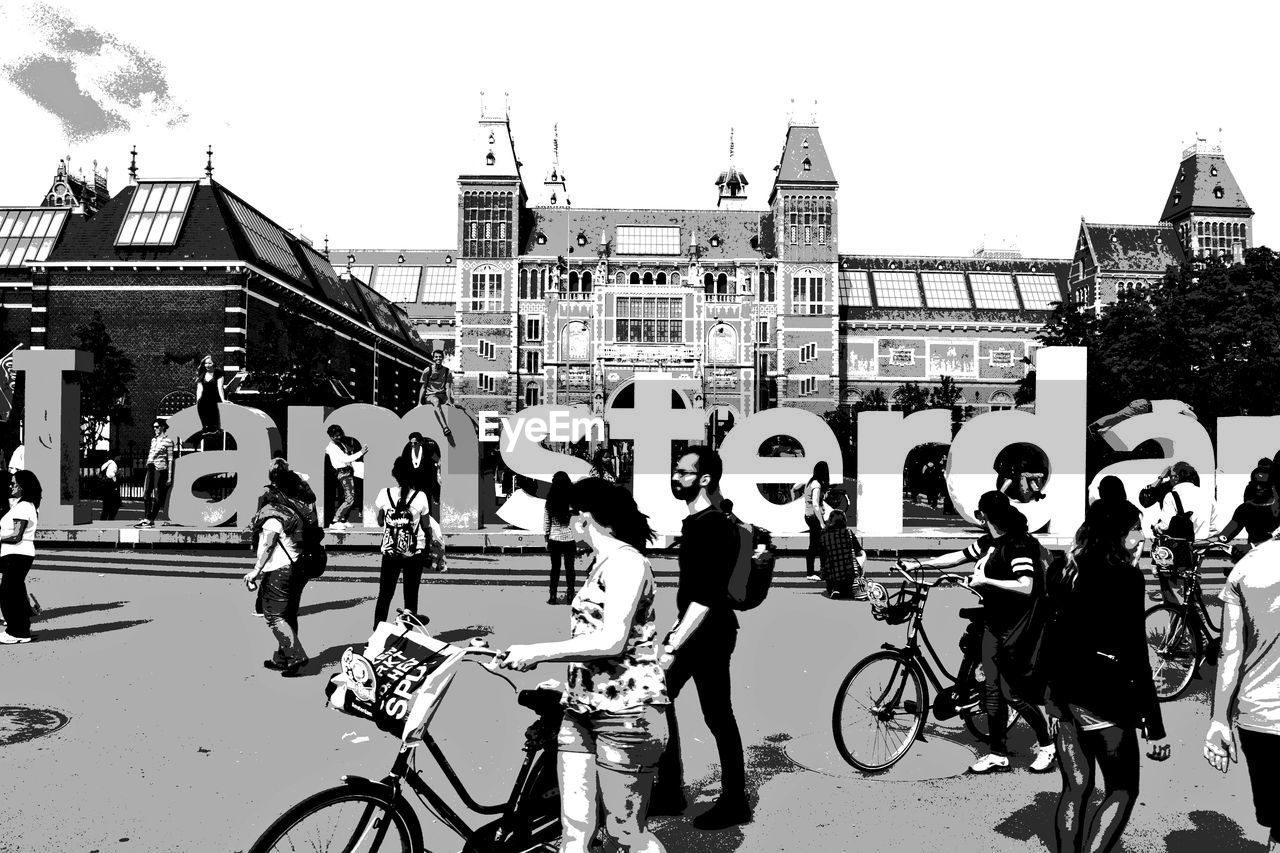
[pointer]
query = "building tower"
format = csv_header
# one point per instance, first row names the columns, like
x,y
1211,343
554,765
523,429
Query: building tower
x,y
1207,207
84,195
732,184
555,191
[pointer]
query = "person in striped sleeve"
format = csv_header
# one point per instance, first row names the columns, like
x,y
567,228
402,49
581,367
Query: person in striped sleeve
x,y
1008,570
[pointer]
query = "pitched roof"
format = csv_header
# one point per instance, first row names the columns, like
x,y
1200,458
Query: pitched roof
x,y
734,231
1204,182
803,143
1133,248
221,227
491,139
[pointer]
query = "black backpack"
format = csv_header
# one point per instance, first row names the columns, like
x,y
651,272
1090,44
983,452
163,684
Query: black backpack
x,y
752,573
1181,526
312,555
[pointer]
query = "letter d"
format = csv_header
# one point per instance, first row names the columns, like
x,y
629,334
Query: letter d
x,y
1057,428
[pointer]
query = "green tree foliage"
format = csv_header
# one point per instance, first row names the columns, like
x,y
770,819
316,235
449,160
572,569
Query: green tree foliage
x,y
945,395
843,422
104,393
873,401
910,398
1207,334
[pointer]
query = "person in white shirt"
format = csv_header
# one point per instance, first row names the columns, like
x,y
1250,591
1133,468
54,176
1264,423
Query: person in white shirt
x,y
18,461
1248,688
17,551
344,452
110,472
155,488
1193,499
279,549
395,564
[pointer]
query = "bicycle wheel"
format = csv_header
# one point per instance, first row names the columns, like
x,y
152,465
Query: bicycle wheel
x,y
347,818
976,721
879,711
1173,648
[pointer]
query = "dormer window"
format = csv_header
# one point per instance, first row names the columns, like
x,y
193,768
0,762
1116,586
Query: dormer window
x,y
714,241
1213,171
582,238
1182,174
1177,198
1218,191
805,142
489,159
807,165
491,139
542,239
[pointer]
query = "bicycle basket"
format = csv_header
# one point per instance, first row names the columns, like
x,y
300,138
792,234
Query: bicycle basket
x,y
893,610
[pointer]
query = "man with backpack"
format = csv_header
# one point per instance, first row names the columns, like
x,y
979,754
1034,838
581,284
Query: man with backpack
x,y
289,554
700,645
405,515
1186,513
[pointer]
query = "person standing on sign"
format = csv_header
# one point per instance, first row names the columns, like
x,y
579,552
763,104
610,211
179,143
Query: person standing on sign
x,y
422,460
701,643
344,452
209,393
437,389
110,472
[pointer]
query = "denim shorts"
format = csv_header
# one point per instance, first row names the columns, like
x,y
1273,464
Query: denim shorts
x,y
629,741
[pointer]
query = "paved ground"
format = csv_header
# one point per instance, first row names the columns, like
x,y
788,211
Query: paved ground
x,y
178,740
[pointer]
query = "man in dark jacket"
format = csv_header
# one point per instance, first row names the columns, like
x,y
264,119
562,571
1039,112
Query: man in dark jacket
x,y
700,645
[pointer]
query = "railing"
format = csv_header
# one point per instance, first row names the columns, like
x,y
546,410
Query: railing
x,y
724,297
132,474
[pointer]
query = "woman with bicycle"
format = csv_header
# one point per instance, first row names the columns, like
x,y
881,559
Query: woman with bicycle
x,y
1009,570
1100,684
615,726
814,490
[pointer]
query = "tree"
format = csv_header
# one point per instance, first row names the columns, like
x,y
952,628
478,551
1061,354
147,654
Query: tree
x,y
1207,334
104,393
945,395
911,398
873,401
843,422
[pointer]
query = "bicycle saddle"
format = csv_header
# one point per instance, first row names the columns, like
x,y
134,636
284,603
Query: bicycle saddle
x,y
973,614
539,701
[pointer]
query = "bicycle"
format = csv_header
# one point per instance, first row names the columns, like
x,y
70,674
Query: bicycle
x,y
366,815
894,683
1181,635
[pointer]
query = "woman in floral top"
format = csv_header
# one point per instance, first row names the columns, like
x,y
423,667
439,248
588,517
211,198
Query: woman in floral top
x,y
615,726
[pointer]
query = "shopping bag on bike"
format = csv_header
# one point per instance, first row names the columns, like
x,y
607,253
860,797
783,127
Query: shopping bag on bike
x,y
397,682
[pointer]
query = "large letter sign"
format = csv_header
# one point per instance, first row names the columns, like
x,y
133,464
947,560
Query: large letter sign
x,y
51,427
530,459
256,438
884,440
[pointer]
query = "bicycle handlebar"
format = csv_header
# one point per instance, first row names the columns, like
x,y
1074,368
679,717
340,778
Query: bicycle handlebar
x,y
944,580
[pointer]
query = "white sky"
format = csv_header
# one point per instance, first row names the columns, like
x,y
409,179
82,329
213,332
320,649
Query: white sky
x,y
946,123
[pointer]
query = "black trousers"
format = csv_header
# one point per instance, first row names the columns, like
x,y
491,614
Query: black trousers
x,y
706,661
155,489
815,542
14,604
393,568
562,552
110,501
1000,697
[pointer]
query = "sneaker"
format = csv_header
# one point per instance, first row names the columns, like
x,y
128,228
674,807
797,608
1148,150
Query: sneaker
x,y
273,664
142,523
294,670
338,526
813,577
990,764
1043,761
723,815
9,640
835,593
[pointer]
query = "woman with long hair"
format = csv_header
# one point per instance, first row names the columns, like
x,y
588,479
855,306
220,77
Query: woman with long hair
x,y
615,726
209,393
17,552
1009,571
814,490
402,503
602,466
1100,684
559,535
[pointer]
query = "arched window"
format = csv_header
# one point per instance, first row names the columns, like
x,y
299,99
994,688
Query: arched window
x,y
576,342
722,345
662,278
573,282
620,278
709,283
532,394
648,278
722,284
586,282
524,284
807,292
635,278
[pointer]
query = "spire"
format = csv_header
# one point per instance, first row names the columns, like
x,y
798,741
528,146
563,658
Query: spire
x,y
555,190
732,184
133,166
208,167
804,160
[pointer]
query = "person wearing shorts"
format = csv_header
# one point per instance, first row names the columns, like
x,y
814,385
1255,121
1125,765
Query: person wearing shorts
x,y
1248,688
437,389
615,724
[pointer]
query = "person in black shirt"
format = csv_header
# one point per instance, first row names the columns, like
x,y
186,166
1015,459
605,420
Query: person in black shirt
x,y
700,645
1258,517
1100,687
1009,570
422,458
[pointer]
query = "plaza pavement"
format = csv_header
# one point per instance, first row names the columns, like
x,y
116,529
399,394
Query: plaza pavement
x,y
178,740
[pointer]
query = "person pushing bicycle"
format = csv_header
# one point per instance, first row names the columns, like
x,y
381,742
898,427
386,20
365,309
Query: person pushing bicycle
x,y
1009,571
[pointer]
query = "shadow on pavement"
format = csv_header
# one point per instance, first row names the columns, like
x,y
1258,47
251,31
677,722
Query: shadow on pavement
x,y
453,635
55,612
1212,831
329,657
322,606
764,761
85,630
1035,820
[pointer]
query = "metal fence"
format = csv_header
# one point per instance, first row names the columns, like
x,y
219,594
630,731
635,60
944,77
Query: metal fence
x,y
132,476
